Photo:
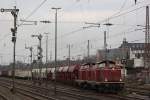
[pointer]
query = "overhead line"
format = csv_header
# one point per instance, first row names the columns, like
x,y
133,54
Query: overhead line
x,y
69,33
121,7
37,8
115,16
112,36
112,17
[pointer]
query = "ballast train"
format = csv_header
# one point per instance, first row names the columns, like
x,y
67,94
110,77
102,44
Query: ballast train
x,y
101,76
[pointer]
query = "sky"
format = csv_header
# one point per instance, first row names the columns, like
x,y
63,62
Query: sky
x,y
71,19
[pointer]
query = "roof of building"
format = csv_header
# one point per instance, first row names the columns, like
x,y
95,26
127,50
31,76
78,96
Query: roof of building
x,y
133,46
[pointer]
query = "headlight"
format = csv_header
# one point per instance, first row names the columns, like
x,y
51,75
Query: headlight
x,y
120,79
106,80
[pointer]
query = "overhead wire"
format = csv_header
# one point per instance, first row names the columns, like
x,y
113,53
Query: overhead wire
x,y
97,47
34,11
112,17
75,31
37,8
95,39
72,32
123,5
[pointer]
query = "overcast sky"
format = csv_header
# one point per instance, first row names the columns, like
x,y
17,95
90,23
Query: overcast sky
x,y
71,20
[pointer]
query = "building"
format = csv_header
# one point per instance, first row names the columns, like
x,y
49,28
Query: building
x,y
133,53
136,53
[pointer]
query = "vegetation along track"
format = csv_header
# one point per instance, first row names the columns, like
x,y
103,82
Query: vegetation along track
x,y
71,92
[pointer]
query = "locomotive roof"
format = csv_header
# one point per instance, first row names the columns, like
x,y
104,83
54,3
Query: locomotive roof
x,y
72,68
65,69
106,61
60,69
88,64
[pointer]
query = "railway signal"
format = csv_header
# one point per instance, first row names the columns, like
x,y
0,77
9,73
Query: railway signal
x,y
46,56
31,50
40,56
14,13
135,1
123,61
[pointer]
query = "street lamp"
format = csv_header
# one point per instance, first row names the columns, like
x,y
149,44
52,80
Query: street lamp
x,y
55,46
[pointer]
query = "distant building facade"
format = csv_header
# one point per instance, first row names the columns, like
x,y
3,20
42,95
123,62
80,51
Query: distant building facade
x,y
128,51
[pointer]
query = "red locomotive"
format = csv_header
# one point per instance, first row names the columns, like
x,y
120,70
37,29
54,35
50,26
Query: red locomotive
x,y
103,76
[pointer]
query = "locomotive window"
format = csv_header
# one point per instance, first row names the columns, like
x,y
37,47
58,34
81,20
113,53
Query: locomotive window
x,y
111,65
101,65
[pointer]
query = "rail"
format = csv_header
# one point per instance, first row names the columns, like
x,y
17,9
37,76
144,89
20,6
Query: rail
x,y
31,94
3,97
74,93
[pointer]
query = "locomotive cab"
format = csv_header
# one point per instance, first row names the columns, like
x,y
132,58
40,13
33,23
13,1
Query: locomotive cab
x,y
109,76
109,72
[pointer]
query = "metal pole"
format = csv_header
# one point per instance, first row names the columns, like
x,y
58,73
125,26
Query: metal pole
x,y
147,48
88,52
40,60
124,57
14,13
46,56
69,55
14,64
105,45
31,49
50,56
55,47
46,48
31,61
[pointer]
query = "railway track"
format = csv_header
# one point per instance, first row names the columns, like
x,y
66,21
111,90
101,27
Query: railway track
x,y
116,97
62,95
28,93
2,97
140,91
73,93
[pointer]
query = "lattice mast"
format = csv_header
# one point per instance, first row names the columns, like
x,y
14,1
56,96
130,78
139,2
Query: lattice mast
x,y
147,41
